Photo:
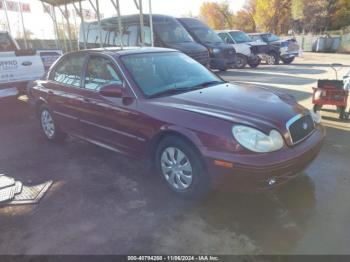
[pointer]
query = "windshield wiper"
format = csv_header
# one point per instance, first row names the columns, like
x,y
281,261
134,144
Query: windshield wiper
x,y
178,90
206,84
171,91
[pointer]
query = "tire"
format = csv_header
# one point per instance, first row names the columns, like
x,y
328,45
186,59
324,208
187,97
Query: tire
x,y
317,108
287,61
255,63
272,58
181,168
49,127
342,113
241,61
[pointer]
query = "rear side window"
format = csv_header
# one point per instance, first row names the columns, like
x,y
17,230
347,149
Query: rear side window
x,y
69,70
100,71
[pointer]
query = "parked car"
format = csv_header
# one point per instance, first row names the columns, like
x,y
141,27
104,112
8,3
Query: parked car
x,y
288,48
248,51
168,33
162,106
20,67
222,56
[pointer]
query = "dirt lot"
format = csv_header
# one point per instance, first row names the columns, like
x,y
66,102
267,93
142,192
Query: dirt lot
x,y
103,203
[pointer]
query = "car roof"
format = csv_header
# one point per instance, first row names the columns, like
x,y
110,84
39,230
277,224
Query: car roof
x,y
134,18
259,33
192,22
228,30
117,51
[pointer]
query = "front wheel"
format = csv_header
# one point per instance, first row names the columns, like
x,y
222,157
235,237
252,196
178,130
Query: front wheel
x,y
287,61
241,61
223,69
254,63
181,167
272,58
49,126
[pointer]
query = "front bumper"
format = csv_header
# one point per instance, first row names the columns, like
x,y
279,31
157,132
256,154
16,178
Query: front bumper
x,y
285,53
253,58
253,172
219,63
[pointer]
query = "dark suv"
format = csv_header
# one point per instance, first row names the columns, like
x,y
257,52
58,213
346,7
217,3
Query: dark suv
x,y
222,55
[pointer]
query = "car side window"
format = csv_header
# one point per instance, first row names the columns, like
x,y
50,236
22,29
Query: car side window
x,y
226,38
100,71
69,70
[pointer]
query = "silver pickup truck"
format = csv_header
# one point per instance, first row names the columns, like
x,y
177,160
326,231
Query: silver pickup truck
x,y
19,67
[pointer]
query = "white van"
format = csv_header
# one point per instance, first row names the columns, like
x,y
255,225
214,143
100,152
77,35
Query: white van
x,y
19,67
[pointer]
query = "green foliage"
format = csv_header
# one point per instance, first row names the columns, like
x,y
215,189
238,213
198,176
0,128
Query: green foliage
x,y
298,9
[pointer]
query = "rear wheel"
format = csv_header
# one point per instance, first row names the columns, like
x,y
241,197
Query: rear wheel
x,y
342,113
317,108
241,61
49,126
287,61
181,167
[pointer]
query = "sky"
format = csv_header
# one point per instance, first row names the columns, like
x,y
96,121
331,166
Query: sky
x,y
40,24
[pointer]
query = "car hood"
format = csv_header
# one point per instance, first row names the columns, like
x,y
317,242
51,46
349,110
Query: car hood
x,y
256,43
244,104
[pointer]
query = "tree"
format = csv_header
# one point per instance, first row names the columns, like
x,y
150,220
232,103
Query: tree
x,y
273,15
217,15
244,21
341,15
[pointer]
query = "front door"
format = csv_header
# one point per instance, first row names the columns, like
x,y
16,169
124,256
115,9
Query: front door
x,y
104,119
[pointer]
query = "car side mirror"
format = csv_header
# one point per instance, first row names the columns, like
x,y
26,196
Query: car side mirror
x,y
112,90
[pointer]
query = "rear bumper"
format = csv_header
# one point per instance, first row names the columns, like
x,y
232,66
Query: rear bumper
x,y
8,92
252,172
13,89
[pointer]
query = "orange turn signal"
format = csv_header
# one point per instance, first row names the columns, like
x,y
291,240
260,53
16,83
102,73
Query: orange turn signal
x,y
223,164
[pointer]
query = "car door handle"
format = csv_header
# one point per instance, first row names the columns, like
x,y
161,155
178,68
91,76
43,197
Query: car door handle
x,y
27,63
50,92
87,100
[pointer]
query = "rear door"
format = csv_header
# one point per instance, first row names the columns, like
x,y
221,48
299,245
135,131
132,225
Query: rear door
x,y
64,91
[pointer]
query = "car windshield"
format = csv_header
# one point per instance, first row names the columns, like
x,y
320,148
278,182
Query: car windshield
x,y
167,73
240,37
206,35
172,32
270,37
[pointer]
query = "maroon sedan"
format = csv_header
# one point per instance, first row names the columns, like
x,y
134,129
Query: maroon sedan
x,y
160,105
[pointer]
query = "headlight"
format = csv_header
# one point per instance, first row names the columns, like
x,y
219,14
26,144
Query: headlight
x,y
215,51
316,116
256,140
